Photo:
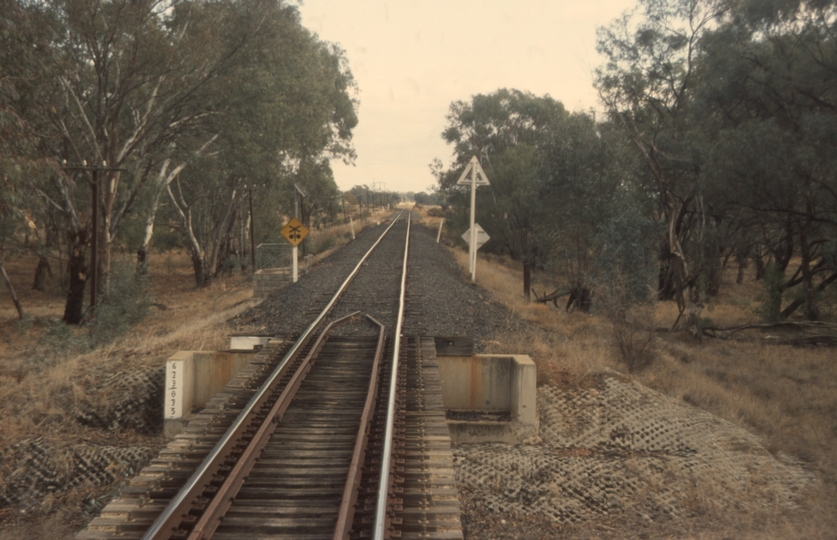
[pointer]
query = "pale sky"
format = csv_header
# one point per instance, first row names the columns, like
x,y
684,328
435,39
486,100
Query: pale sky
x,y
412,58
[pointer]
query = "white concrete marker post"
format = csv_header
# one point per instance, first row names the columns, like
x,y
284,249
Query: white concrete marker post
x,y
438,236
295,250
299,193
475,169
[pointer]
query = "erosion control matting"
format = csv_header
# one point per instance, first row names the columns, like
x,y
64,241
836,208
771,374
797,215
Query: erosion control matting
x,y
616,447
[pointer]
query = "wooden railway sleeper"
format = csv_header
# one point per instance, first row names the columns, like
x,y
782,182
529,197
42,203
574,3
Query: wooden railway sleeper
x,y
213,515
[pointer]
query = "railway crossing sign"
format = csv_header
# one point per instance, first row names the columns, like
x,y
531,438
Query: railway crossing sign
x,y
478,177
294,232
482,236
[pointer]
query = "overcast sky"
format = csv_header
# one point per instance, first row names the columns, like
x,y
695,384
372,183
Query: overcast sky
x,y
412,58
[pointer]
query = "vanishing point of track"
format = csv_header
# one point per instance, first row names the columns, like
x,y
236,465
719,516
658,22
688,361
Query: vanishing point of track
x,y
316,438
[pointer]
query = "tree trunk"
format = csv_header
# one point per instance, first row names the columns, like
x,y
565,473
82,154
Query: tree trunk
x,y
142,252
77,271
713,279
106,232
761,267
201,277
812,312
224,231
527,281
164,178
142,261
41,271
666,289
11,288
788,311
783,251
741,259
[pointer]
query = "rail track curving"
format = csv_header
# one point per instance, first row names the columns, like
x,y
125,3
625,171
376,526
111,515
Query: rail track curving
x,y
340,434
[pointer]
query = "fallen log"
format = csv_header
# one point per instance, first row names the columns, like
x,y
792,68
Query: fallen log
x,y
551,297
803,326
800,325
805,341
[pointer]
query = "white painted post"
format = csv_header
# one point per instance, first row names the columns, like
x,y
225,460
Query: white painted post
x,y
474,169
472,252
438,236
295,255
352,225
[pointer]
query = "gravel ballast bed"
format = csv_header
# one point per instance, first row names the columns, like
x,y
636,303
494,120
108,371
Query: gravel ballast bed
x,y
444,303
289,310
440,300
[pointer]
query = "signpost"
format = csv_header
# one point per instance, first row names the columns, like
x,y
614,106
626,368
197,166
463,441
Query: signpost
x,y
295,232
482,236
477,178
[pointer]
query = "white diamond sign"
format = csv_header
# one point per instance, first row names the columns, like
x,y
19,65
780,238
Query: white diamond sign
x,y
482,236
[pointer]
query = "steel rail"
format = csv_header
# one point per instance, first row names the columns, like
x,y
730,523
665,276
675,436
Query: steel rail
x,y
350,491
380,526
175,511
224,497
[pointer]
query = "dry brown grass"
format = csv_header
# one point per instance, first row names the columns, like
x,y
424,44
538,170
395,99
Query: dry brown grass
x,y
43,378
786,395
46,372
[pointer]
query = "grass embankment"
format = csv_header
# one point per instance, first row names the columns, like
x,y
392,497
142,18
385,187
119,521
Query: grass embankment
x,y
787,395
47,369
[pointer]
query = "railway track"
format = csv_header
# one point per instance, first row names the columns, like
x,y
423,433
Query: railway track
x,y
340,434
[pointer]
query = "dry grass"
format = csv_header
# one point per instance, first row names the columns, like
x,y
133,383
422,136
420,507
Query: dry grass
x,y
47,369
44,377
786,395
45,373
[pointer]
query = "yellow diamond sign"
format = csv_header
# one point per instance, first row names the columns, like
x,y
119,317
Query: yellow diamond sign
x,y
294,232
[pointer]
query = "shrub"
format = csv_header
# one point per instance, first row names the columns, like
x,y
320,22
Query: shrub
x,y
323,244
126,304
632,320
770,308
623,278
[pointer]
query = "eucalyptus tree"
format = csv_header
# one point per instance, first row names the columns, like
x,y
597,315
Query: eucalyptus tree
x,y
582,167
507,130
286,100
132,94
120,81
317,178
646,85
25,33
770,87
553,174
125,79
